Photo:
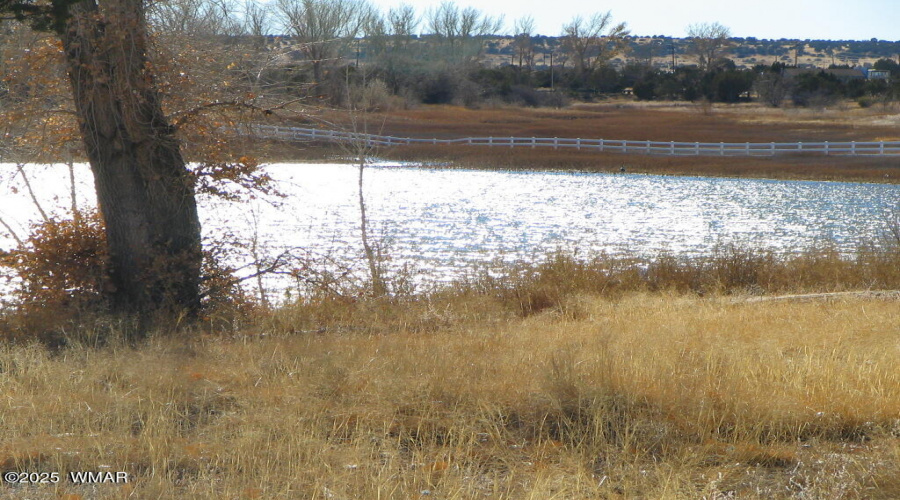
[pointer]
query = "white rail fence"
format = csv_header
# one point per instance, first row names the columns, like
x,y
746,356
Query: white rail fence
x,y
617,146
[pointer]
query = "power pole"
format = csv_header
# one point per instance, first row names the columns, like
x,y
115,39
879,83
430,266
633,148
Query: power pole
x,y
551,70
672,46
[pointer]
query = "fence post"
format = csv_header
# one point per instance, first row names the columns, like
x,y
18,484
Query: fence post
x,y
826,148
772,149
696,149
647,148
532,143
747,148
601,144
721,149
578,144
511,142
556,143
672,148
490,141
853,148
799,146
881,148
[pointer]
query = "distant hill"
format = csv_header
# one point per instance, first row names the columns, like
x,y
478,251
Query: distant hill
x,y
745,52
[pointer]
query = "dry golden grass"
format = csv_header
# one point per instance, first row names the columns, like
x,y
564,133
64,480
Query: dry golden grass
x,y
643,396
599,379
640,121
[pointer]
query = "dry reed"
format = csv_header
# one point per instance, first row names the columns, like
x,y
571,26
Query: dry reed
x,y
597,378
466,393
680,122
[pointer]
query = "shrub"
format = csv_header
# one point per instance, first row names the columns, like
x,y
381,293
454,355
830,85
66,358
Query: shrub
x,y
61,271
61,280
374,96
525,95
645,90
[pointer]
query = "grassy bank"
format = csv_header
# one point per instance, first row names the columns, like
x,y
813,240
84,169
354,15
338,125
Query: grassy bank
x,y
644,396
566,378
601,378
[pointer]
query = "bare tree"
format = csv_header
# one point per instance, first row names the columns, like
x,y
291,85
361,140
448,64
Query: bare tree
x,y
461,31
194,17
389,45
118,90
592,42
473,22
403,22
395,30
443,22
772,88
523,30
708,42
362,149
257,20
323,27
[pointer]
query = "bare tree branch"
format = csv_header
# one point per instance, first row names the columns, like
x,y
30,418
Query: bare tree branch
x,y
708,41
594,41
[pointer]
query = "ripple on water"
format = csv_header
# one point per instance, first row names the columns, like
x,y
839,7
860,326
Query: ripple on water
x,y
445,220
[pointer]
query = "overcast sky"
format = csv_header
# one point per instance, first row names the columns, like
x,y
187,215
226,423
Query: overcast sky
x,y
796,19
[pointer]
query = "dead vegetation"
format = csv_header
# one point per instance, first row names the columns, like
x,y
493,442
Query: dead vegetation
x,y
682,122
566,378
641,396
570,378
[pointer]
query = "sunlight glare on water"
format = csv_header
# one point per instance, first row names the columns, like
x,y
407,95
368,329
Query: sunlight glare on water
x,y
445,221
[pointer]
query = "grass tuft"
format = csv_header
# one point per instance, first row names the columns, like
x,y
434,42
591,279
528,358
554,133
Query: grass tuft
x,y
639,394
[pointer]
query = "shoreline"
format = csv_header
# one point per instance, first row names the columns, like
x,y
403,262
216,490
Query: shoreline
x,y
866,170
631,120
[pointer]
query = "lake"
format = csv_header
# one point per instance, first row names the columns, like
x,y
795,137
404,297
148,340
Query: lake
x,y
445,222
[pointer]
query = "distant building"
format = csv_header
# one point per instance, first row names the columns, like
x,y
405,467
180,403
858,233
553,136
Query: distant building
x,y
879,74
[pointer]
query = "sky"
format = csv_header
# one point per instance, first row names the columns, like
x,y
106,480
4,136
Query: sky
x,y
792,19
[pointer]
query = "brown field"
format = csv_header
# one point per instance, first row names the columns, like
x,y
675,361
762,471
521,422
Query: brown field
x,y
643,396
562,380
639,121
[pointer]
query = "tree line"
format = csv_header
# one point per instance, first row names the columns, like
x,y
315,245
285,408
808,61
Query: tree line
x,y
345,50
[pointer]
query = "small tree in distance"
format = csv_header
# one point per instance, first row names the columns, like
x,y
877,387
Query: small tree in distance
x,y
708,42
460,32
523,31
322,27
592,42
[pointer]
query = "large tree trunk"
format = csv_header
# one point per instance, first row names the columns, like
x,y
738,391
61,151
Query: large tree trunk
x,y
145,192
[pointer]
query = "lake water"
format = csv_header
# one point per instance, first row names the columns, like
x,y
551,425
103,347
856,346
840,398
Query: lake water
x,y
447,221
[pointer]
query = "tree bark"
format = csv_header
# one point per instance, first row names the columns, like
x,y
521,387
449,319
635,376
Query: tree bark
x,y
144,190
